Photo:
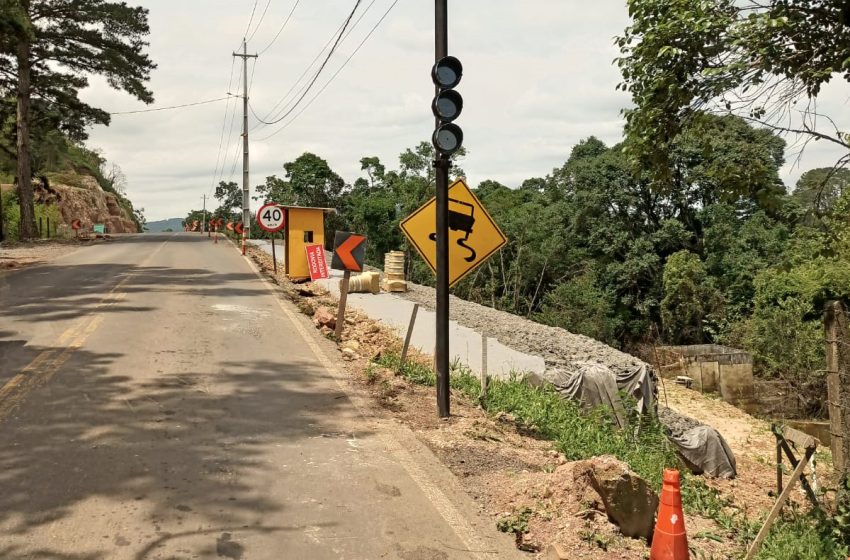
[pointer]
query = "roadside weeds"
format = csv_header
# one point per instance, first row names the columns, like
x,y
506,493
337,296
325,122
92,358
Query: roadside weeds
x,y
513,452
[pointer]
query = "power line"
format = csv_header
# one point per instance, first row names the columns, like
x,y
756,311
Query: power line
x,y
319,71
366,38
223,126
259,23
230,134
282,27
306,70
251,20
172,106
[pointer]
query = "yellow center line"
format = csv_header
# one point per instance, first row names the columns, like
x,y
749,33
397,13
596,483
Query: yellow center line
x,y
42,368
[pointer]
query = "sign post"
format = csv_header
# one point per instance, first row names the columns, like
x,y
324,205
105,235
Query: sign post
x,y
464,238
271,218
348,256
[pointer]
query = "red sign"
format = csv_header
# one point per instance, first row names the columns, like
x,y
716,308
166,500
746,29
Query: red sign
x,y
316,262
238,228
76,224
229,226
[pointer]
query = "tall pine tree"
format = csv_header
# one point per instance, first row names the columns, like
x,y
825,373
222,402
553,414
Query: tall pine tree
x,y
48,48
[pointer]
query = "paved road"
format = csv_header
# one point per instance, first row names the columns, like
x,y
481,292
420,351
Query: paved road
x,y
157,401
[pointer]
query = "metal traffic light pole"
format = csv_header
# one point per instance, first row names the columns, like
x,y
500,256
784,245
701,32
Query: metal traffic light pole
x,y
442,164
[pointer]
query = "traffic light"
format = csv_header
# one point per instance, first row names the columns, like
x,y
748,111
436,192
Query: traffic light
x,y
447,105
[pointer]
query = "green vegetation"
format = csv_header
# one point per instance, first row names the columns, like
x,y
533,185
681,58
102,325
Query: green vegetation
x,y
64,161
721,253
11,217
582,435
755,59
48,50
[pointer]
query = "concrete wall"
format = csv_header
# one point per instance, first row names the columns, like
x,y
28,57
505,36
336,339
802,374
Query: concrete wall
x,y
712,367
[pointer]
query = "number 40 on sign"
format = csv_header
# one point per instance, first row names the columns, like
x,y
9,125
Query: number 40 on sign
x,y
271,218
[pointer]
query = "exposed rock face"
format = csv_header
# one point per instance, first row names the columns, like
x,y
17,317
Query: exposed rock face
x,y
92,205
86,202
628,500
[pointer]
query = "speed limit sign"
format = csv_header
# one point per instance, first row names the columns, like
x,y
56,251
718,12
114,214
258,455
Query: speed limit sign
x,y
271,218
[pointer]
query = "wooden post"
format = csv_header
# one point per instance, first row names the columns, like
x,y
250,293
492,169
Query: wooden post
x,y
48,227
778,465
837,381
482,397
274,255
408,336
343,297
783,497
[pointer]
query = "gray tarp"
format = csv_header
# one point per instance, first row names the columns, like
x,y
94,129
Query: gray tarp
x,y
594,384
701,447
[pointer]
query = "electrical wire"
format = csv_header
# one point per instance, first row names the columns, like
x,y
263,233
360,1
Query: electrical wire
x,y
230,134
259,23
306,70
319,71
282,27
250,21
223,126
366,38
172,106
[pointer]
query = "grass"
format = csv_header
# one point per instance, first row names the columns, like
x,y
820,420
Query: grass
x,y
542,411
581,435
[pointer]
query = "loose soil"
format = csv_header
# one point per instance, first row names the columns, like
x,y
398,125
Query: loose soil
x,y
16,255
506,470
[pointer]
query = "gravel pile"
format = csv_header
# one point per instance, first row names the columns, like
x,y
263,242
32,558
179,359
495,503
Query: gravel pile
x,y
558,347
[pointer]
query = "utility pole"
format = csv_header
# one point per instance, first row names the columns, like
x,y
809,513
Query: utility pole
x,y
246,212
442,164
204,222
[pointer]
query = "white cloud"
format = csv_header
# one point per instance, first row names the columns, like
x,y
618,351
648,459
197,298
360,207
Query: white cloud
x,y
539,76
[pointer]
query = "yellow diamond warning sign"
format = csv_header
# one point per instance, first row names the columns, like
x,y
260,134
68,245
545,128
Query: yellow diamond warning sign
x,y
473,235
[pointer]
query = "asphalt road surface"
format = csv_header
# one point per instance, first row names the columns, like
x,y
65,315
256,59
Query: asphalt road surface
x,y
159,401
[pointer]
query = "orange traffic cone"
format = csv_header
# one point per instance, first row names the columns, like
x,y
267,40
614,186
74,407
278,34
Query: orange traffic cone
x,y
670,542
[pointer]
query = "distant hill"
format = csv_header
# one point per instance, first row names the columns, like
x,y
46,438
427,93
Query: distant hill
x,y
174,224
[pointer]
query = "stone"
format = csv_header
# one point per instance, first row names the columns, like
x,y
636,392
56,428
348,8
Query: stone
x,y
373,328
352,345
324,317
307,290
348,354
629,501
557,552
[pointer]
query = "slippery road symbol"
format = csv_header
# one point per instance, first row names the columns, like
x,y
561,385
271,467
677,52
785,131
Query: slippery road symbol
x,y
461,218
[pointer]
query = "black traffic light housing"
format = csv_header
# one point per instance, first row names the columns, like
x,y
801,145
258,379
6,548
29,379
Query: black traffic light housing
x,y
447,105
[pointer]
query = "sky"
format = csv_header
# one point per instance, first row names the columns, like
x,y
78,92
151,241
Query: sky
x,y
539,76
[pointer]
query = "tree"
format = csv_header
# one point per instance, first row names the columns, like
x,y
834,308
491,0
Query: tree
x,y
689,296
229,196
311,182
818,190
47,49
752,58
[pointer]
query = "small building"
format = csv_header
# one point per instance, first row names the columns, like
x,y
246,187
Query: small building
x,y
712,368
304,226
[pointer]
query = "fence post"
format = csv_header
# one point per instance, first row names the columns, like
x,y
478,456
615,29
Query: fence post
x,y
838,383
